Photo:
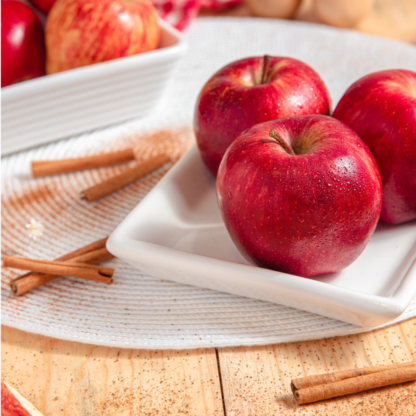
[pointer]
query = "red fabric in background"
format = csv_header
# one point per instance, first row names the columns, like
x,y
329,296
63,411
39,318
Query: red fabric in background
x,y
179,13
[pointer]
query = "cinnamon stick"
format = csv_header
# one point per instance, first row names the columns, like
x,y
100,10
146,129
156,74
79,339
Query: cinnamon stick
x,y
128,176
54,167
91,253
356,383
93,257
96,245
317,380
60,268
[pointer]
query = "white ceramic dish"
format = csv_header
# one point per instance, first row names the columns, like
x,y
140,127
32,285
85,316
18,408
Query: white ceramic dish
x,y
60,105
176,233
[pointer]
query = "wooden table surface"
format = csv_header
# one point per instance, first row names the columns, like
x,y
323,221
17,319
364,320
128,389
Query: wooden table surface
x,y
67,378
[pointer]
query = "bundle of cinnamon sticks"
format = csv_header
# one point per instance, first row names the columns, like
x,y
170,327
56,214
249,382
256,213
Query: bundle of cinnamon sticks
x,y
79,262
325,386
142,168
75,264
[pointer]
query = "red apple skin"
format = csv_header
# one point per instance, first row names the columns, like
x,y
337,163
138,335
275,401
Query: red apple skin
x,y
22,43
234,99
305,214
381,109
44,6
10,406
84,32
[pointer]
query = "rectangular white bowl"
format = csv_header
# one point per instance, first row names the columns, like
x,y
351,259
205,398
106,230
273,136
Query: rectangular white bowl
x,y
176,233
60,105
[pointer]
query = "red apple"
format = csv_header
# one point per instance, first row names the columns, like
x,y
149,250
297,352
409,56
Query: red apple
x,y
22,43
381,109
84,32
300,195
14,404
251,91
44,6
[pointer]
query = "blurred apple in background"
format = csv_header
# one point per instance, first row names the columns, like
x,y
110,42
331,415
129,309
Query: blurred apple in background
x,y
300,195
44,6
84,32
381,109
22,43
251,91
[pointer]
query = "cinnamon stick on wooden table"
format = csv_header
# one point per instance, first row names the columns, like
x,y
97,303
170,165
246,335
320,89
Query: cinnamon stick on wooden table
x,y
92,254
325,386
53,167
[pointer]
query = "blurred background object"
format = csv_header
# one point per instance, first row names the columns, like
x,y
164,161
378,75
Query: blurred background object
x,y
22,43
44,6
390,18
281,9
342,13
180,13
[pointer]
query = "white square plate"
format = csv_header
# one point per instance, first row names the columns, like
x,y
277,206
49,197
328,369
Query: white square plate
x,y
81,99
176,233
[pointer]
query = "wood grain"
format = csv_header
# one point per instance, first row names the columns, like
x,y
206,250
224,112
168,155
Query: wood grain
x,y
69,378
256,380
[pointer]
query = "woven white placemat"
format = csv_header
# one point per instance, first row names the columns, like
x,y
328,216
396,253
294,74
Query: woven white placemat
x,y
138,310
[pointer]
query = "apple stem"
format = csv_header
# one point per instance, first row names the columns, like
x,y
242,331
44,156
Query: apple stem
x,y
266,64
281,141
